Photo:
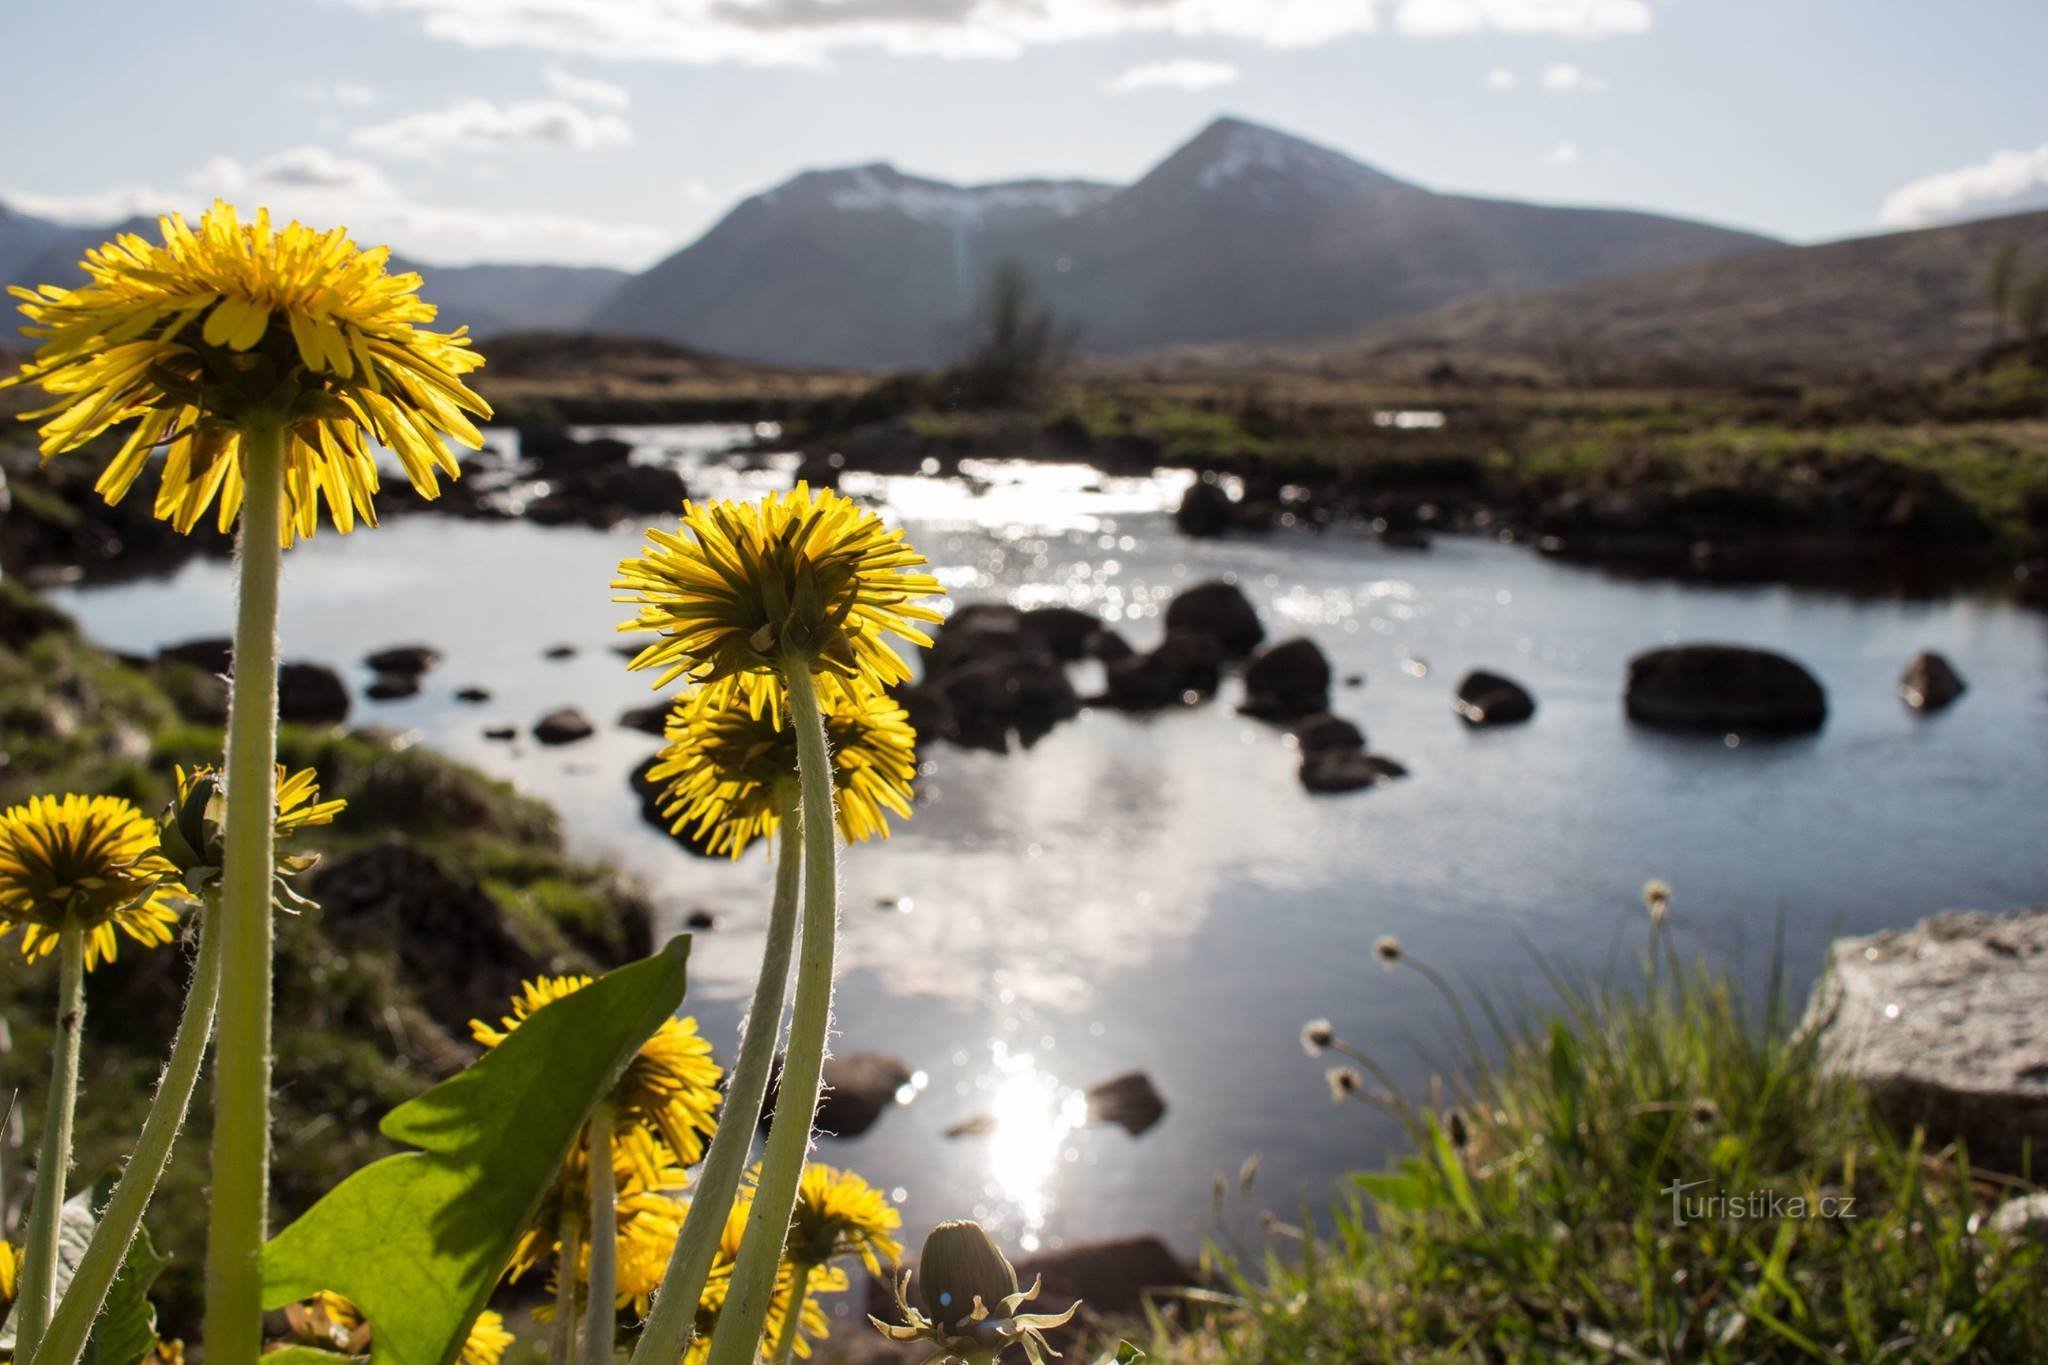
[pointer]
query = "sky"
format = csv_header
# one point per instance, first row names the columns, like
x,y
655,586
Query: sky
x,y
615,131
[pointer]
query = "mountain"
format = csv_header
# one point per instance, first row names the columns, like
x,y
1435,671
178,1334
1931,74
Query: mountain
x,y
491,299
862,266
1899,302
495,299
1243,234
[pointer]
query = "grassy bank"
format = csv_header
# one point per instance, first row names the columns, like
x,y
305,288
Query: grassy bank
x,y
1534,1219
379,987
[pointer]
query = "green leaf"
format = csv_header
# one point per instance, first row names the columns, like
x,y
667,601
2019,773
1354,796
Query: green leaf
x,y
417,1241
1403,1190
75,1223
125,1330
306,1355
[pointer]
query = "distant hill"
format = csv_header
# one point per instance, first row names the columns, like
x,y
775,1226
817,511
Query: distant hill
x,y
1902,302
1243,234
491,299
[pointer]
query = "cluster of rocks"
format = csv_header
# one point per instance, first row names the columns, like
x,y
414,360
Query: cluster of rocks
x,y
1732,689
307,693
398,671
560,480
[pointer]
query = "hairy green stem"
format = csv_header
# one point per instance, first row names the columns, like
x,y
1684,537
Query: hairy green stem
x,y
568,1261
792,1323
601,1321
240,1194
796,1102
674,1319
65,1342
53,1161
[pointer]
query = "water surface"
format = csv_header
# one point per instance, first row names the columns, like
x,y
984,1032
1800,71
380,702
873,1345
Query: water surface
x,y
1159,892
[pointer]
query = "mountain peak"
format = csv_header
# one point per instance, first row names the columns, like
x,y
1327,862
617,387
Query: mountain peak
x,y
1233,153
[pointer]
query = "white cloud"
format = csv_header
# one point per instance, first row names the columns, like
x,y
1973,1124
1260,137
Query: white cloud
x,y
808,32
1500,78
479,124
2007,182
1563,78
1184,74
1563,154
586,89
1565,18
318,186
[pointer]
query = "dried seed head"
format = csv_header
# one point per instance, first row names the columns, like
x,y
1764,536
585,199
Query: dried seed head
x,y
1316,1036
1387,949
1345,1081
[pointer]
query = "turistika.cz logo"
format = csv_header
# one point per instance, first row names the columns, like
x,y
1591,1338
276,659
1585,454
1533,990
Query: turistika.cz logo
x,y
1754,1206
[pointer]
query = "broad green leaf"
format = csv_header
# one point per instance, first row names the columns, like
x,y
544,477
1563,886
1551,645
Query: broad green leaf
x,y
125,1330
417,1241
307,1355
1403,1190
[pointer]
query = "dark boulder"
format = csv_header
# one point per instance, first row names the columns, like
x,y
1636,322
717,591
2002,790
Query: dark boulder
x,y
1184,669
414,659
393,686
651,719
1069,633
214,653
556,451
564,725
652,796
1930,682
473,695
1219,610
859,1087
993,677
1205,509
1485,698
602,498
1329,771
502,734
1325,731
1130,1100
311,694
1287,681
1723,688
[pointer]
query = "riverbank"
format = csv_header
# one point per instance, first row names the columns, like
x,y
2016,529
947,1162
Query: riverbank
x,y
439,890
1656,1168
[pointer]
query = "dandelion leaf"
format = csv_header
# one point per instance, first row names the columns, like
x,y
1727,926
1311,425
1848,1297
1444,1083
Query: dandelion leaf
x,y
418,1240
125,1330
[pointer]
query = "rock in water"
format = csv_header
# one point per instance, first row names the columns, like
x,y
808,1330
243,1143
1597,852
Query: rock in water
x,y
859,1088
393,686
1489,699
1316,733
1186,668
1130,1100
1724,688
564,725
311,694
1287,681
1941,1023
1205,510
651,719
1930,682
414,659
1219,610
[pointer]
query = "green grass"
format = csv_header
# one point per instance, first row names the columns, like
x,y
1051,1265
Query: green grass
x,y
1532,1220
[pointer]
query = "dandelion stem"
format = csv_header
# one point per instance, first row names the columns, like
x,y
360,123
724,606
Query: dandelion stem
x,y
674,1317
792,1322
568,1260
796,1102
241,1116
82,1302
601,1325
53,1161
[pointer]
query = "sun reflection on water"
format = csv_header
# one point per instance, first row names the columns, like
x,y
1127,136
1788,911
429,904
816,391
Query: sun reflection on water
x,y
1033,1117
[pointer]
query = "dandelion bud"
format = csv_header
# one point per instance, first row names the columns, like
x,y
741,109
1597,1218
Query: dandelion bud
x,y
1657,898
1316,1036
1387,949
960,1264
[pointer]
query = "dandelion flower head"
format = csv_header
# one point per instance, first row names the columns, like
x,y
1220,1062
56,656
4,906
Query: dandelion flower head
x,y
212,329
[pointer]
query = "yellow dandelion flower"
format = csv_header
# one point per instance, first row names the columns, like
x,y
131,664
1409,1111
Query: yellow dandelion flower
x,y
171,1352
214,330
738,587
812,1321
10,1272
839,1214
487,1340
641,1165
728,753
89,862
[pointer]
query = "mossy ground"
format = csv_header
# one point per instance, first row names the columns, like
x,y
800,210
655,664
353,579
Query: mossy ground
x,y
356,1037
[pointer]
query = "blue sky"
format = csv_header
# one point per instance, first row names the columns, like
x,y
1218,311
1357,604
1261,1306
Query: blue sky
x,y
613,131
